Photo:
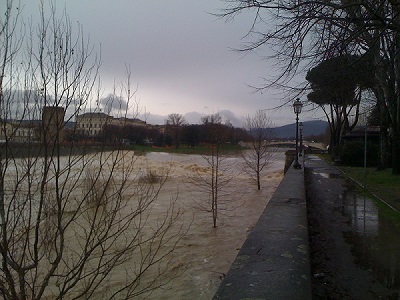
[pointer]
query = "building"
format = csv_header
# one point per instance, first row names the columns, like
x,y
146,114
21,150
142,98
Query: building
x,y
91,124
353,144
53,123
358,134
5,130
128,122
20,131
50,128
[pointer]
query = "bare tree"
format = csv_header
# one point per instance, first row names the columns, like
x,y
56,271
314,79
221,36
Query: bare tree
x,y
174,125
213,126
74,224
260,154
214,182
219,174
212,119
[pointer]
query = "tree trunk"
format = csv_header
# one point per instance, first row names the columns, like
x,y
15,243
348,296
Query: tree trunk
x,y
396,152
383,131
383,141
258,170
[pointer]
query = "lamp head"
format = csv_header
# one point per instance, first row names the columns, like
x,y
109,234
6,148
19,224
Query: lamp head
x,y
297,105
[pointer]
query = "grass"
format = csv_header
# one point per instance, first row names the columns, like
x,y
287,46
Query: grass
x,y
380,183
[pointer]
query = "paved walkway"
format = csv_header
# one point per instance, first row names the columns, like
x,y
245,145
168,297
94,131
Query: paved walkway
x,y
273,263
336,273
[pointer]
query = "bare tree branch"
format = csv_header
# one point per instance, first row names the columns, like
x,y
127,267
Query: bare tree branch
x,y
75,222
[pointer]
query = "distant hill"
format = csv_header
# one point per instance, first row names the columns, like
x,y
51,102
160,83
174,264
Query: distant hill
x,y
310,128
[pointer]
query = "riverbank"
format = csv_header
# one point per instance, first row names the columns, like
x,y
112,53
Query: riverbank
x,y
203,149
274,262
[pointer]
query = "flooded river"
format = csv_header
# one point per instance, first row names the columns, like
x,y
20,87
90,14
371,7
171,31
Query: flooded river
x,y
120,225
206,253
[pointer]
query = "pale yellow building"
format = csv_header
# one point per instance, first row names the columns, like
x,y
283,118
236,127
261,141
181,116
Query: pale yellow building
x,y
91,124
17,131
50,128
5,131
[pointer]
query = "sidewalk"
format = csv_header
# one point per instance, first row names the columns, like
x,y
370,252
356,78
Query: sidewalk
x,y
273,263
337,222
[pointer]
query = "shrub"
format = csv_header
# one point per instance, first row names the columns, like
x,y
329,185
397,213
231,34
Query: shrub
x,y
352,153
150,177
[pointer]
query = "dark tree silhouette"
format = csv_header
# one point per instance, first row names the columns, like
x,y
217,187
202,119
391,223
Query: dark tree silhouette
x,y
337,84
174,126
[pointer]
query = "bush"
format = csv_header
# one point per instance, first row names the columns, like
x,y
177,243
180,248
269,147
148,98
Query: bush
x,y
352,153
150,177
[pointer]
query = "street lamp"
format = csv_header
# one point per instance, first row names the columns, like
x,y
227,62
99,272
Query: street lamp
x,y
297,105
301,126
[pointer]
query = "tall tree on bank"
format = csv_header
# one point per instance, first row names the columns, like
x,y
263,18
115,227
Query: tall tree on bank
x,y
212,182
215,180
301,34
337,84
260,154
174,126
71,222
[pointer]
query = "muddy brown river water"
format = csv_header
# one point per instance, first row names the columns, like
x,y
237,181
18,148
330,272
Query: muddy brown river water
x,y
202,255
206,253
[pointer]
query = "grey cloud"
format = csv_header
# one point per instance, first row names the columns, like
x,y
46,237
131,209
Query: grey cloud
x,y
193,117
112,104
228,115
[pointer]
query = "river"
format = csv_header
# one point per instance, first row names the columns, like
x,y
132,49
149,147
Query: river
x,y
206,253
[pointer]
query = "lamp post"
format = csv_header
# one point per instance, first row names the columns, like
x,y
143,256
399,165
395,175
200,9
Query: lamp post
x,y
301,126
297,105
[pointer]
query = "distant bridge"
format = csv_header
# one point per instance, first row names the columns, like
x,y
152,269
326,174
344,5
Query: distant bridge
x,y
292,144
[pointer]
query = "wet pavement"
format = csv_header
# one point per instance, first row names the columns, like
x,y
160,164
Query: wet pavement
x,y
273,262
354,240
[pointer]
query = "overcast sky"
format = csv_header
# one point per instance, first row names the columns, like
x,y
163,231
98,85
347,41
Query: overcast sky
x,y
180,56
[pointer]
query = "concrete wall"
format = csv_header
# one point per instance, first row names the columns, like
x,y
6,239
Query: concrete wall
x,y
274,262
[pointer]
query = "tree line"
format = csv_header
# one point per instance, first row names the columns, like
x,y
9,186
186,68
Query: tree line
x,y
174,133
